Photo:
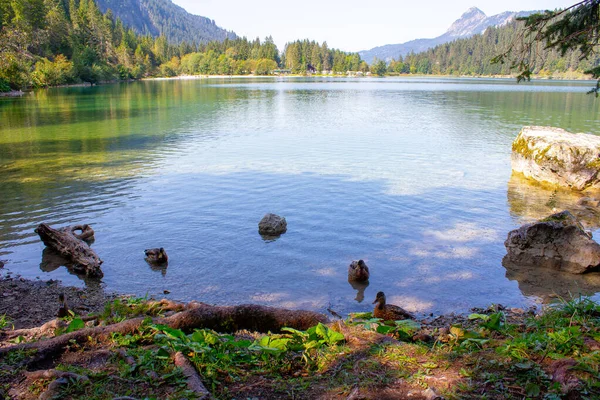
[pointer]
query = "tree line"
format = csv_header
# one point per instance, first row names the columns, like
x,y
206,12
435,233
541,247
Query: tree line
x,y
56,42
474,56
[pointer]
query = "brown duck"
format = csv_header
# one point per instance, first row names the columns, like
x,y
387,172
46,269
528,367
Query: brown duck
x,y
156,256
358,271
389,312
63,310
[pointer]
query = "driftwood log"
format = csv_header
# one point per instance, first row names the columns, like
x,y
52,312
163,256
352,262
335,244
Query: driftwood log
x,y
196,316
73,246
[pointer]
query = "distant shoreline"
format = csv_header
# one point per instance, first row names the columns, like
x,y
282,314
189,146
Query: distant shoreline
x,y
198,77
19,93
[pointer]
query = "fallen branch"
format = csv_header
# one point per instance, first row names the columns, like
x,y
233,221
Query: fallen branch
x,y
54,374
84,260
193,379
218,318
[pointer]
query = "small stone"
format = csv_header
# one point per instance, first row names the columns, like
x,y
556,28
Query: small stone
x,y
166,292
430,394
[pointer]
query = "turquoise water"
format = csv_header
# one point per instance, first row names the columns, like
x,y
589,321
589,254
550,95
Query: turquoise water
x,y
411,175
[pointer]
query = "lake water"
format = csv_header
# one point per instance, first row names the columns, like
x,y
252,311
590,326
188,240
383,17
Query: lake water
x,y
411,175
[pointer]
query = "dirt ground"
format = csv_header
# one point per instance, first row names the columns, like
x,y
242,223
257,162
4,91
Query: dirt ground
x,y
32,303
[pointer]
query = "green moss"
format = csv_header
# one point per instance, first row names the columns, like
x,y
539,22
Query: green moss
x,y
593,164
521,146
563,216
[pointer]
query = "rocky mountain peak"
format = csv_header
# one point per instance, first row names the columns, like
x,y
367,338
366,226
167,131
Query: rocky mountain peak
x,y
465,25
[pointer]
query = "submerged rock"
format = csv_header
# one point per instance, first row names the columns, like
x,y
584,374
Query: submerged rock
x,y
272,225
558,242
559,157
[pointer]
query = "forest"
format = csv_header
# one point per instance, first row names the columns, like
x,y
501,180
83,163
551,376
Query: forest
x,y
473,57
58,42
47,43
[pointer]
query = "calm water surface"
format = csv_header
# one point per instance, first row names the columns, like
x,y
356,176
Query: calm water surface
x,y
411,175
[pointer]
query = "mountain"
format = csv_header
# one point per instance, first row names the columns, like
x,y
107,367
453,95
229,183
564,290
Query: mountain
x,y
156,17
472,22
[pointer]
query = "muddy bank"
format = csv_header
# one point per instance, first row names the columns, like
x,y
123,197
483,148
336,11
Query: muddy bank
x,y
32,303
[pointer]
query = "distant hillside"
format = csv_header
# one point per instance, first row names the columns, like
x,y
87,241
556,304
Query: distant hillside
x,y
156,17
472,56
472,22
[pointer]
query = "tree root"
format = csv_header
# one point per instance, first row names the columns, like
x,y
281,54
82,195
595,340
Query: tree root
x,y
47,330
61,379
193,378
218,318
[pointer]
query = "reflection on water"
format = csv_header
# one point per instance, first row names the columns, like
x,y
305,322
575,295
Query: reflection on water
x,y
360,288
547,284
532,201
409,175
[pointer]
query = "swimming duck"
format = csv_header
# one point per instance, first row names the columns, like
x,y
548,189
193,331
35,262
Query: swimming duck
x,y
358,271
389,312
63,310
156,256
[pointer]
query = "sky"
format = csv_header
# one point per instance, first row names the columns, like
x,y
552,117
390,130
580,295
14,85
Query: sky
x,y
349,25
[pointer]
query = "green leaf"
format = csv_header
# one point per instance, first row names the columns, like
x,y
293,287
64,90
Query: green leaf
x,y
295,332
408,325
364,315
75,325
457,331
162,353
532,390
494,322
479,316
198,337
385,329
330,336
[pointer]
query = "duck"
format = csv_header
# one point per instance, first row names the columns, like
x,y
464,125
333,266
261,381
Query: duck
x,y
358,271
63,310
389,312
156,256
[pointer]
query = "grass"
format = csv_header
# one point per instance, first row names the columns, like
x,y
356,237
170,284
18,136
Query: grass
x,y
489,355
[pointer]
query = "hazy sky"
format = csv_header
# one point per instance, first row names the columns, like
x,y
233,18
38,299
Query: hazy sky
x,y
349,25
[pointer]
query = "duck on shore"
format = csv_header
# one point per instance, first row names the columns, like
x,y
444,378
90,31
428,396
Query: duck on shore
x,y
156,256
389,312
358,271
63,310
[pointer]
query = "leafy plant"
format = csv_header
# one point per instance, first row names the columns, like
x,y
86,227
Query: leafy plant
x,y
492,322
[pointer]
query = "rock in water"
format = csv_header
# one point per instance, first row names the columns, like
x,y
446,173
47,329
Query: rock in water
x,y
272,225
557,242
559,157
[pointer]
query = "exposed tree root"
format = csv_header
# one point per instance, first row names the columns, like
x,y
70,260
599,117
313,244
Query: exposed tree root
x,y
221,319
46,330
193,379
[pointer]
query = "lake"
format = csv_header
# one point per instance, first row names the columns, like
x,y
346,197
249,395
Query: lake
x,y
410,174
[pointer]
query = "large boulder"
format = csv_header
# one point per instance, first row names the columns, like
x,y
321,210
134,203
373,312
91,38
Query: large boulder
x,y
558,242
272,225
559,157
